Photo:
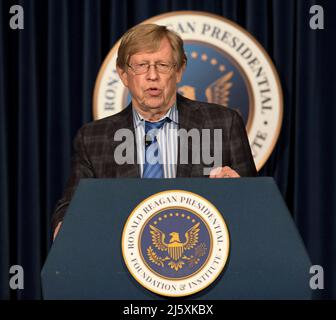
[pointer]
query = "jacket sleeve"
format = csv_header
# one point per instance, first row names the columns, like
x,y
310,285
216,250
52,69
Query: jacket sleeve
x,y
81,167
240,151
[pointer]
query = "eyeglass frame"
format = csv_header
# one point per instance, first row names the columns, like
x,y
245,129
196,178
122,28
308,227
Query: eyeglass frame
x,y
172,65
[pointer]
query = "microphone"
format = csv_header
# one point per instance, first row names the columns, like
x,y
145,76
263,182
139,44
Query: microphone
x,y
148,140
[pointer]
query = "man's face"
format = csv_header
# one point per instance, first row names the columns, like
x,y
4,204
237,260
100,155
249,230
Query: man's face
x,y
152,92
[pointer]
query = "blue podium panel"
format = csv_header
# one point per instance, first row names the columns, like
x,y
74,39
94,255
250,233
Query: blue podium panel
x,y
267,258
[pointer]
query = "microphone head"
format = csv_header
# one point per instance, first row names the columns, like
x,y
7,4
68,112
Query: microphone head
x,y
148,140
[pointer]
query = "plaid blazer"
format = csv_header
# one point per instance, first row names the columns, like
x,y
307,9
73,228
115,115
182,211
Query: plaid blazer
x,y
94,147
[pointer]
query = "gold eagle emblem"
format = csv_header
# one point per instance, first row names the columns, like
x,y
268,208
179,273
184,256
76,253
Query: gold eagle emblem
x,y
175,247
217,92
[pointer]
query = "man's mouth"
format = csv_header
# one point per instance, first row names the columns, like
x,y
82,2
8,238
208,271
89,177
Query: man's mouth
x,y
153,91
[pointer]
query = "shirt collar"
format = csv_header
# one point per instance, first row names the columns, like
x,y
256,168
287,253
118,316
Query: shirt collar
x,y
171,114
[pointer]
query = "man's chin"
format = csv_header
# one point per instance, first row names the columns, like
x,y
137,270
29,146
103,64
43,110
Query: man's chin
x,y
155,103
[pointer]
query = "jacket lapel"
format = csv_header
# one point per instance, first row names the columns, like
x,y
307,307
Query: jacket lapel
x,y
189,119
124,121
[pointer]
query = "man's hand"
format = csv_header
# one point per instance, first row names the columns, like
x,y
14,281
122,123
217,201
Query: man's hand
x,y
57,230
223,172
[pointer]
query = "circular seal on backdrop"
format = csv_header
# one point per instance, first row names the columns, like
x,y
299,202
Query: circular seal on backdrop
x,y
226,65
175,243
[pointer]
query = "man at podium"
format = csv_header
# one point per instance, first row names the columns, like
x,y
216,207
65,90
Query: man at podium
x,y
151,61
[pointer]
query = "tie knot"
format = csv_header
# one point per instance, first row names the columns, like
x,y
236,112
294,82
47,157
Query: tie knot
x,y
155,125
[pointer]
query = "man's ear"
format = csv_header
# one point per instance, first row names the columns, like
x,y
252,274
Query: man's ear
x,y
123,76
179,73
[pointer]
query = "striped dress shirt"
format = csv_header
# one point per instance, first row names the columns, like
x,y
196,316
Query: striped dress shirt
x,y
166,138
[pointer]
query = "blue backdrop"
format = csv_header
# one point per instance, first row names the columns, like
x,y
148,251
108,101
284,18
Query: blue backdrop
x,y
47,75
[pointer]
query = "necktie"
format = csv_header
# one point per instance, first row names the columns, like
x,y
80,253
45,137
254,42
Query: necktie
x,y
153,166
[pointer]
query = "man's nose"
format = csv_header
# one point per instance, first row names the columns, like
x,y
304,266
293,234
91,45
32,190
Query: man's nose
x,y
152,73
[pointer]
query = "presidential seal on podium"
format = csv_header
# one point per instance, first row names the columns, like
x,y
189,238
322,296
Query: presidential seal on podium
x,y
175,243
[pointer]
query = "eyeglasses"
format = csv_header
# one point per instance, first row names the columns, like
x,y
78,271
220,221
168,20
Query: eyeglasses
x,y
142,68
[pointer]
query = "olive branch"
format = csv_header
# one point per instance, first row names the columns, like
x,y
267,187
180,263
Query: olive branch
x,y
153,257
